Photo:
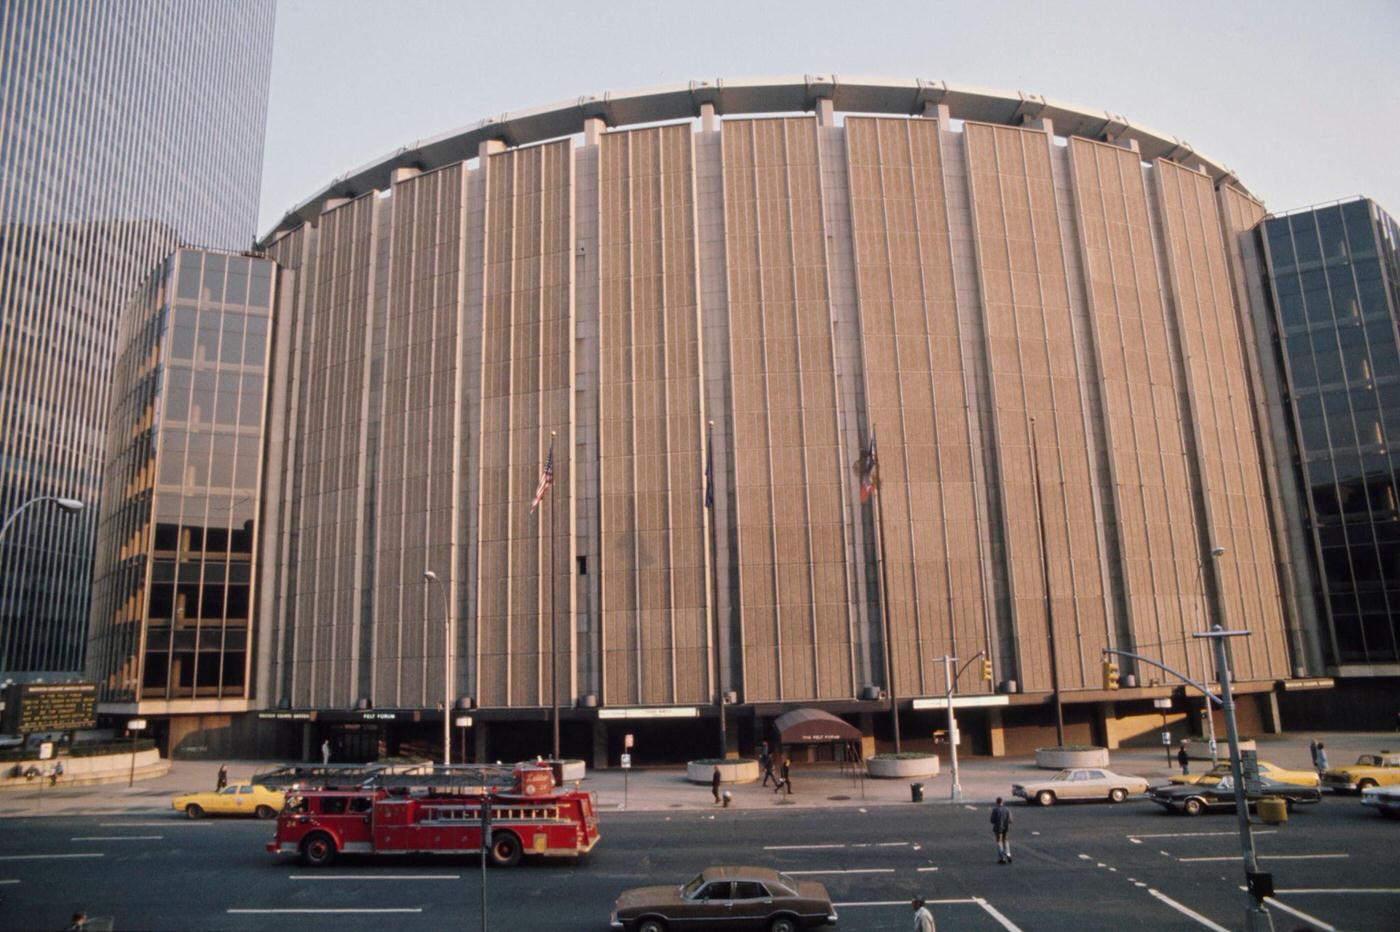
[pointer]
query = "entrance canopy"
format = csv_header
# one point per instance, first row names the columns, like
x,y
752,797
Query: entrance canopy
x,y
813,726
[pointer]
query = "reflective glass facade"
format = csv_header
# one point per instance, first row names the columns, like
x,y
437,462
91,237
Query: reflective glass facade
x,y
174,574
1333,272
126,128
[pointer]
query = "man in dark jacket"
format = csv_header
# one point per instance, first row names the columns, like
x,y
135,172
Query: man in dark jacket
x,y
787,774
1001,827
714,783
765,760
1184,759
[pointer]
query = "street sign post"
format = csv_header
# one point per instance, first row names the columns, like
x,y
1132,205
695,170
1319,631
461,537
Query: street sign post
x,y
626,769
464,722
134,725
1167,738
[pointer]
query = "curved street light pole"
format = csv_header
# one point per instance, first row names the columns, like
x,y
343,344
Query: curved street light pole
x,y
67,504
431,577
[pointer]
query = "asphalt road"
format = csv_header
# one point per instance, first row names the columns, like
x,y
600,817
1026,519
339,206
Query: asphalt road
x,y
1083,866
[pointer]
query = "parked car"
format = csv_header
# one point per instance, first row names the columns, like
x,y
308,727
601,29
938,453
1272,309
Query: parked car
x,y
1370,770
1266,769
1218,792
1383,799
1080,783
234,799
727,898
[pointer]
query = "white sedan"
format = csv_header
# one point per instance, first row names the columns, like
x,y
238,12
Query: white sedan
x,y
1384,799
1080,783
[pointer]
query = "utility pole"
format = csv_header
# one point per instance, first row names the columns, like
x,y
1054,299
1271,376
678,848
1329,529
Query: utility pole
x,y
950,683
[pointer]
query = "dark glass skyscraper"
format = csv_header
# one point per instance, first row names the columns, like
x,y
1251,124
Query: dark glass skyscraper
x,y
1335,276
129,126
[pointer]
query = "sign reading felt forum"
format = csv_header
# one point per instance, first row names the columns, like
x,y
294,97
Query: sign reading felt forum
x,y
50,707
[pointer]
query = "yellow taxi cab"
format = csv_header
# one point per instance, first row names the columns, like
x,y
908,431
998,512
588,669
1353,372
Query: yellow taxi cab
x,y
1266,769
1370,770
234,799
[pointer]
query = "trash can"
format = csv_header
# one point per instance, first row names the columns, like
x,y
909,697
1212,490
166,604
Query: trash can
x,y
1273,810
916,792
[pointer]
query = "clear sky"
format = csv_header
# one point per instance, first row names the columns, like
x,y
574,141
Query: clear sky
x,y
1301,99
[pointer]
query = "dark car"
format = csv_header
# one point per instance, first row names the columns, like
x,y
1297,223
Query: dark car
x,y
727,898
1216,791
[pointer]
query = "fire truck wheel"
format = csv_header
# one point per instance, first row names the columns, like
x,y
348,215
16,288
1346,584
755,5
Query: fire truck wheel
x,y
265,812
652,925
783,924
505,850
194,811
318,849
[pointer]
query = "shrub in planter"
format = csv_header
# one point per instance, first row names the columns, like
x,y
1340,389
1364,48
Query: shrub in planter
x,y
891,766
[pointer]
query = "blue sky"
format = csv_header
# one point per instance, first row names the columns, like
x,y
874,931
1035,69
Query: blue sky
x,y
1301,99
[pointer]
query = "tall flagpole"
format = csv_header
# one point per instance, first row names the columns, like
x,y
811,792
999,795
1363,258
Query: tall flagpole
x,y
553,626
871,475
714,584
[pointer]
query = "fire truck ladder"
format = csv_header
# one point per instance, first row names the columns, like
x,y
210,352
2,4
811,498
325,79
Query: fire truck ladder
x,y
387,776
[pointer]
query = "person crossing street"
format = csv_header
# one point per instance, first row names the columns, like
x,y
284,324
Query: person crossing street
x,y
1001,827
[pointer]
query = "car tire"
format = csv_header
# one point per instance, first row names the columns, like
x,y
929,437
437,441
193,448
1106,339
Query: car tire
x,y
1117,794
265,812
1045,798
1364,785
505,849
194,811
651,924
1193,807
318,849
783,924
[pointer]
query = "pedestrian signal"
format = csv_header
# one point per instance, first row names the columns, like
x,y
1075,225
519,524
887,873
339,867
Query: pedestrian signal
x,y
986,669
1110,675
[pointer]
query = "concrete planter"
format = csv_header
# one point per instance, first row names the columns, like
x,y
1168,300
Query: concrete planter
x,y
731,771
574,771
1060,758
898,768
87,771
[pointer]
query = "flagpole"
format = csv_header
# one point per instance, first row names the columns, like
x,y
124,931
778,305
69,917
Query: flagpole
x,y
714,583
873,467
1045,578
553,627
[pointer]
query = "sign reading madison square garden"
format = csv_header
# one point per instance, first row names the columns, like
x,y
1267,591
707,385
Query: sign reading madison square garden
x,y
35,707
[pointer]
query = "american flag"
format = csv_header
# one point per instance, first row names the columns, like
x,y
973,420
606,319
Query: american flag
x,y
868,468
546,479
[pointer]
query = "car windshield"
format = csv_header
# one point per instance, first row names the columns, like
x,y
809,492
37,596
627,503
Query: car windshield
x,y
1062,775
788,882
689,889
1368,760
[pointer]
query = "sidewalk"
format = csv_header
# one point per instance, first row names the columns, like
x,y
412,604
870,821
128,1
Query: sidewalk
x,y
666,788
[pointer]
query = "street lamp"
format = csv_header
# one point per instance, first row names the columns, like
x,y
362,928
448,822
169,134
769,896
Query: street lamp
x,y
1215,554
431,577
69,505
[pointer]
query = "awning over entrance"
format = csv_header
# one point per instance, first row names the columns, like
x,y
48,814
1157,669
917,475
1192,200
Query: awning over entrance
x,y
813,726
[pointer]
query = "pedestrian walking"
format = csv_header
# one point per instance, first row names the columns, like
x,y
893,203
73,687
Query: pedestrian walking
x,y
57,772
714,783
1321,757
1312,750
765,760
325,752
923,919
787,774
1183,757
1001,827
222,780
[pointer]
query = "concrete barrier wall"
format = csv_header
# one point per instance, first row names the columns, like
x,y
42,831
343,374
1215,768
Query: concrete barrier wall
x,y
82,771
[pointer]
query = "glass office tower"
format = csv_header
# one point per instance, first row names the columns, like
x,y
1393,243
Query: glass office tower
x,y
129,126
1336,288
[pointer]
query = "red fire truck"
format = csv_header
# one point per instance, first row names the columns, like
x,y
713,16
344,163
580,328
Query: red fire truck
x,y
348,809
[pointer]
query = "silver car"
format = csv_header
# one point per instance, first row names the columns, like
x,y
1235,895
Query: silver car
x,y
1080,783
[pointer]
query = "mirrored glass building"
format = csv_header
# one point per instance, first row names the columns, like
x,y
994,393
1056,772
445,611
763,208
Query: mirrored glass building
x,y
126,128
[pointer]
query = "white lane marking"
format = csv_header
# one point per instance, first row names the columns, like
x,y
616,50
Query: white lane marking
x,y
1198,834
46,857
358,877
1267,857
8,881
1279,904
1085,857
895,902
117,838
851,870
858,845
1136,841
893,844
263,912
925,870
1187,911
1006,924
1343,890
798,847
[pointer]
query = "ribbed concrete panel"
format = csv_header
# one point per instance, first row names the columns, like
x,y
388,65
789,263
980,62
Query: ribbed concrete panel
x,y
336,372
526,391
655,591
916,398
1030,345
787,471
126,129
1218,384
1145,431
418,458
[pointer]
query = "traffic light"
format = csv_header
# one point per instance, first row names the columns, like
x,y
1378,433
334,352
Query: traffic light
x,y
1110,675
986,669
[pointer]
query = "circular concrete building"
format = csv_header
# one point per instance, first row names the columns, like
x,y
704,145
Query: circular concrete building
x,y
705,305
